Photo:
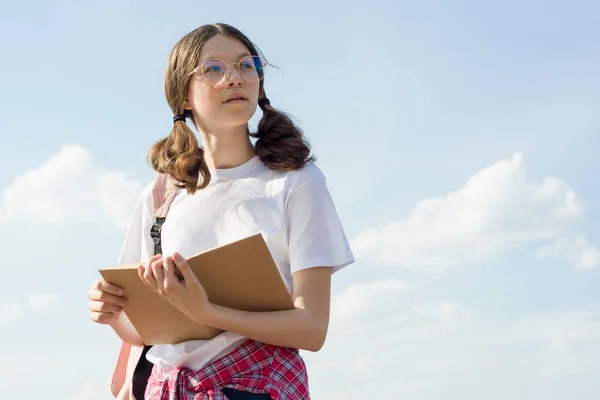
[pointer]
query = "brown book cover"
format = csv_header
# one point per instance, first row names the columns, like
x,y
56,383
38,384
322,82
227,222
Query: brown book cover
x,y
241,275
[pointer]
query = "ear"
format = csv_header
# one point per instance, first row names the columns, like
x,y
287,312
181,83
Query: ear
x,y
187,104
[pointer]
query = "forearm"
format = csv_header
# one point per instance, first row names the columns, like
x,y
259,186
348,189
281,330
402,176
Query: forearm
x,y
296,328
303,327
126,331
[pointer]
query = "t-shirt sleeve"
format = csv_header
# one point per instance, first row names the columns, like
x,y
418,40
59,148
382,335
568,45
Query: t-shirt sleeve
x,y
315,234
136,246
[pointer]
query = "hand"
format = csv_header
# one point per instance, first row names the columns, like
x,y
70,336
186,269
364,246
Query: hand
x,y
172,278
106,302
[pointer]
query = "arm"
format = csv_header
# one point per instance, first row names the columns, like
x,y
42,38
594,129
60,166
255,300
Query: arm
x,y
137,245
304,327
315,233
126,331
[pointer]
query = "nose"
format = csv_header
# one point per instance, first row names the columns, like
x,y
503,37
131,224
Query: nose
x,y
235,77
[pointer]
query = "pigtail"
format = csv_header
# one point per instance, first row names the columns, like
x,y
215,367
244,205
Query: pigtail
x,y
281,145
180,156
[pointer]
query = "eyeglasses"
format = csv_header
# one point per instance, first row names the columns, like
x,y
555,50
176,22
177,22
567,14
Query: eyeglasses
x,y
216,71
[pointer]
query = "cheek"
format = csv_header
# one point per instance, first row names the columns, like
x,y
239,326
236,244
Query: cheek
x,y
253,86
210,91
205,92
205,97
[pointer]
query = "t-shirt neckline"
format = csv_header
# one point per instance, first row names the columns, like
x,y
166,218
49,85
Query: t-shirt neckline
x,y
234,172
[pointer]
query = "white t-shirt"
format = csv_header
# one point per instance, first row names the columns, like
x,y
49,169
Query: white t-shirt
x,y
292,210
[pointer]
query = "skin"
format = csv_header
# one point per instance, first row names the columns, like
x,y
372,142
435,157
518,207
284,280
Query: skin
x,y
223,129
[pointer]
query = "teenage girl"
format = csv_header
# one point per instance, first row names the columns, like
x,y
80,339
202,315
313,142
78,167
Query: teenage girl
x,y
231,189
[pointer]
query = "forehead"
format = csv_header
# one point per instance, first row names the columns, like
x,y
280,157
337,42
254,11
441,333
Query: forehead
x,y
225,47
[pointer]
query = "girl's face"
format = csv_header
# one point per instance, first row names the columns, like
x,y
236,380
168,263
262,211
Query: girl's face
x,y
223,89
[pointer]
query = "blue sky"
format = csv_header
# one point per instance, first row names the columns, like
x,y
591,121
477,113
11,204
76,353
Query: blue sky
x,y
459,139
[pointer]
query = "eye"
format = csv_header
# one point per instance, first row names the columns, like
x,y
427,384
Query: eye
x,y
213,68
246,66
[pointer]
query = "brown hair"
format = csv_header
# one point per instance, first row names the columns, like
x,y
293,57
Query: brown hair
x,y
280,144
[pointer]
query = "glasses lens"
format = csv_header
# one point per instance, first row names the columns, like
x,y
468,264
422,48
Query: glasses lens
x,y
252,68
214,71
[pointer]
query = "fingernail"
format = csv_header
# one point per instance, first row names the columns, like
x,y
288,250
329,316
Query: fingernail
x,y
177,256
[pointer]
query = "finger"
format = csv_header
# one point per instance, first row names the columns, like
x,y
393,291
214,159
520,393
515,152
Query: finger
x,y
184,268
154,258
142,274
149,273
171,280
141,271
98,306
96,295
102,318
147,270
104,286
174,269
159,274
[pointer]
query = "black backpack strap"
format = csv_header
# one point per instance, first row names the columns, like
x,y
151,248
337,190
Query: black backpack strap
x,y
143,368
155,233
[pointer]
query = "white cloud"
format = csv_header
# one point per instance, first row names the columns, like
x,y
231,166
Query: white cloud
x,y
85,381
361,300
10,311
44,303
92,391
70,187
439,349
579,251
496,208
445,311
444,350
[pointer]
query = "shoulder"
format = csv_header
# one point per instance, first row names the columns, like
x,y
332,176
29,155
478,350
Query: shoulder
x,y
286,182
145,197
310,172
146,192
137,243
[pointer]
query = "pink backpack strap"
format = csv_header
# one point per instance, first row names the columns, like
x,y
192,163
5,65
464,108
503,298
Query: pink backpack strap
x,y
121,384
120,371
163,193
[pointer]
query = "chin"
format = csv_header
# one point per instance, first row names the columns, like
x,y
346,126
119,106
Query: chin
x,y
236,120
238,117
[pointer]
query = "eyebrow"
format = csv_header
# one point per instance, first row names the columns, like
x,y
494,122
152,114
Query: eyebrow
x,y
244,54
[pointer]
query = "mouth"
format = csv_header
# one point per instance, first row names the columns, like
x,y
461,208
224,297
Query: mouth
x,y
235,98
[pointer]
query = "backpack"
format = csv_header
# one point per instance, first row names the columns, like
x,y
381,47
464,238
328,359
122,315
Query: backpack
x,y
132,369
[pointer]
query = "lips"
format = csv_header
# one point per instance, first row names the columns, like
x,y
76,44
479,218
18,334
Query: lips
x,y
235,97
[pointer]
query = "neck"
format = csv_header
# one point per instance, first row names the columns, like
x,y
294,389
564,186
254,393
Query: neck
x,y
227,148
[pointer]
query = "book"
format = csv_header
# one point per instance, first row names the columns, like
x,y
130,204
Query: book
x,y
241,275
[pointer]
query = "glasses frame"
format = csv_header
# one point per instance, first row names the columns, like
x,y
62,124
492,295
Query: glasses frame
x,y
264,64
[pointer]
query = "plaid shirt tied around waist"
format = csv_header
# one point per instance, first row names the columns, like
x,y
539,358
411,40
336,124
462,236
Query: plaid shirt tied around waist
x,y
253,367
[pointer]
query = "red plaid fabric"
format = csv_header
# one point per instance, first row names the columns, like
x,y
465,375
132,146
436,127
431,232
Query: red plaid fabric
x,y
253,367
